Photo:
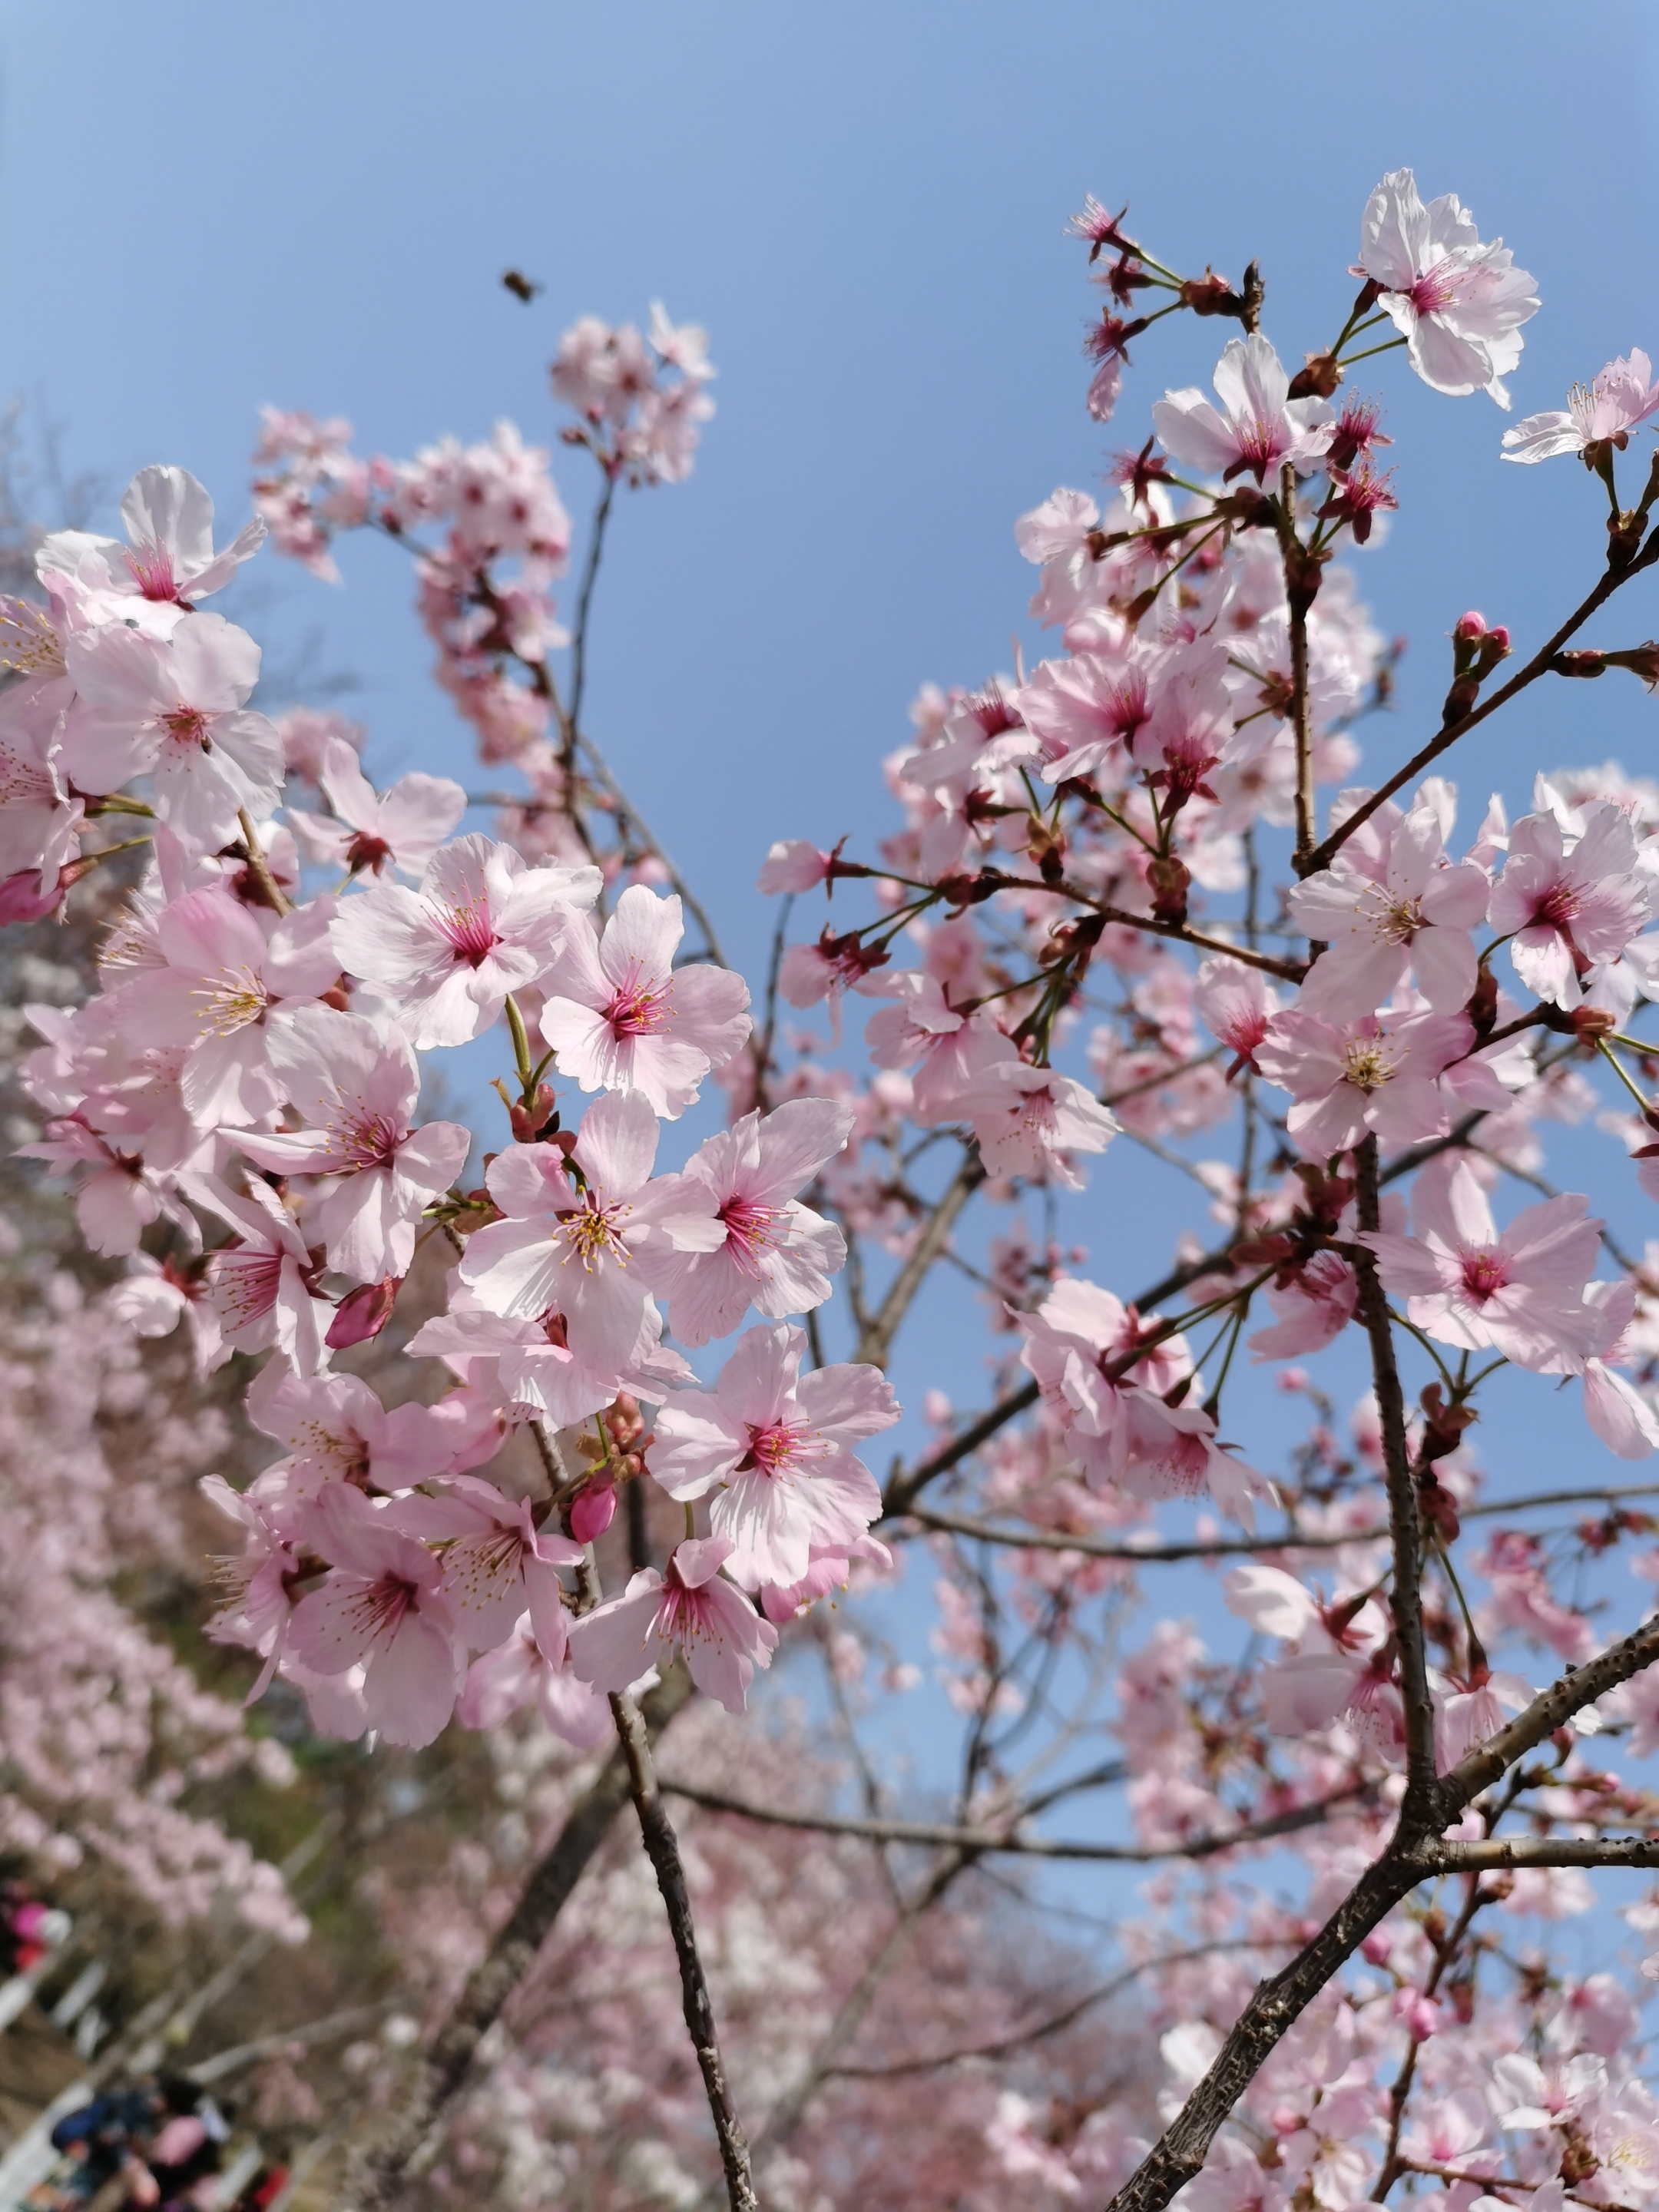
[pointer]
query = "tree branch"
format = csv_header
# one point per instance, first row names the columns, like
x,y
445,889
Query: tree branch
x,y
662,1848
875,1343
1404,1524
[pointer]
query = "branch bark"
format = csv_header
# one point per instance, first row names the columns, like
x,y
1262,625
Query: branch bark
x,y
662,1848
1404,1525
875,1343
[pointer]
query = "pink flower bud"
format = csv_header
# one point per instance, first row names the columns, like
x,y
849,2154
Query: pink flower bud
x,y
22,899
364,1313
591,1511
1470,627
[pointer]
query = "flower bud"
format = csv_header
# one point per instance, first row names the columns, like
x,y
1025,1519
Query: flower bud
x,y
591,1511
364,1313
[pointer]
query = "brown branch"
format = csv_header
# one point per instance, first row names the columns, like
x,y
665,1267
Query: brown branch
x,y
1004,1842
662,1848
443,2068
259,868
1156,1553
1307,864
875,1343
1405,1527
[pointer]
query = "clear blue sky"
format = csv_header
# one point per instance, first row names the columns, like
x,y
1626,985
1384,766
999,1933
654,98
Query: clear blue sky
x,y
207,207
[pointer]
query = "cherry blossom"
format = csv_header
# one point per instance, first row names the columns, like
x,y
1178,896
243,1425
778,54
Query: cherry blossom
x,y
692,1608
1409,911
496,1563
1258,428
176,711
168,560
1520,1293
1565,908
619,1016
501,1680
354,1091
592,1251
481,924
1459,304
264,1286
1373,1072
778,1255
775,1441
370,833
1598,416
382,1606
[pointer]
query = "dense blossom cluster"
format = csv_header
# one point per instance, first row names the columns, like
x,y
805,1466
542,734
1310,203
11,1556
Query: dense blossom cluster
x,y
1069,944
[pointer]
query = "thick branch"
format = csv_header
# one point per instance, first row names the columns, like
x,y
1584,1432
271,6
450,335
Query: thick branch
x,y
1185,2143
1404,1525
444,2068
877,1341
1498,1854
662,1848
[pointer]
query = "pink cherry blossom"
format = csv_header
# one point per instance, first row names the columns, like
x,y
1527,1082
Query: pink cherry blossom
x,y
1236,1003
335,1429
168,559
504,1679
1411,910
621,1017
1459,304
221,970
1029,1121
590,1252
115,1203
778,1255
1597,415
1312,1310
1376,1071
481,924
692,1608
369,833
258,1615
1085,712
496,1562
776,1442
380,1606
176,711
793,865
1520,1293
1073,1337
263,1285
1565,909
41,825
1260,428
354,1091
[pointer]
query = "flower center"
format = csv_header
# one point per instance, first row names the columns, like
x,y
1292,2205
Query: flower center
x,y
1558,906
593,1231
468,930
187,726
1435,290
1395,919
639,1009
370,1141
749,1231
1369,1062
234,1002
1483,1273
775,1447
152,571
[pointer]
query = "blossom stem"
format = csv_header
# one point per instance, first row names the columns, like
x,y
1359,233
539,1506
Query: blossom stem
x,y
1322,854
1387,347
520,1048
1623,1074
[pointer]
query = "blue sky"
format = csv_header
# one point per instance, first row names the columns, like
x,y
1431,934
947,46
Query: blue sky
x,y
214,206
